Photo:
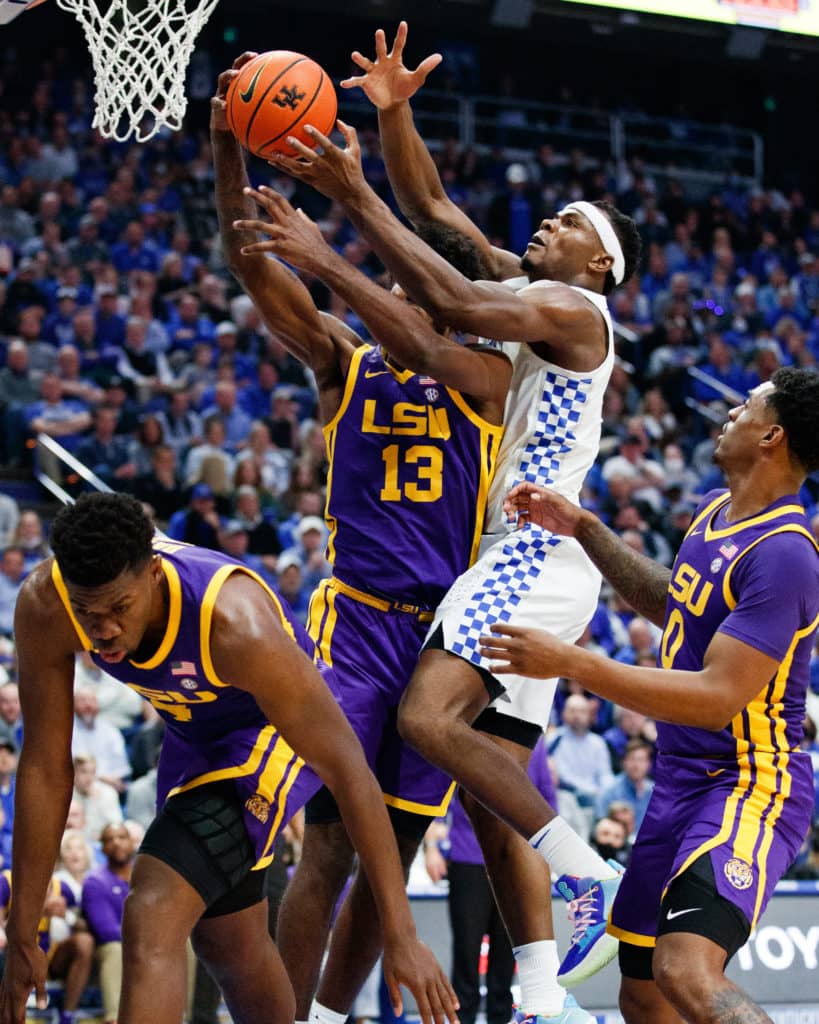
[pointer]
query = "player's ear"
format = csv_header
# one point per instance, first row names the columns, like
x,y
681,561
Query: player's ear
x,y
773,437
601,262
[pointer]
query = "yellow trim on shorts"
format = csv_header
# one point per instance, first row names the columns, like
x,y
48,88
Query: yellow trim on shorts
x,y
250,766
435,810
320,627
206,615
281,770
62,593
633,938
379,603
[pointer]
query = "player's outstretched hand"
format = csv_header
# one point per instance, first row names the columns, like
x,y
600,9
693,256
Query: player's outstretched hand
x,y
530,503
386,81
290,233
335,172
25,970
525,652
218,118
407,961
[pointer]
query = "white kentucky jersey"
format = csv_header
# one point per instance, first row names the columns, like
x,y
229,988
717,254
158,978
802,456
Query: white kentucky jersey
x,y
552,420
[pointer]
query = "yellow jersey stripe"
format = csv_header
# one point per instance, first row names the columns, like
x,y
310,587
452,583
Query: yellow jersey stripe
x,y
62,593
765,517
727,593
435,810
174,618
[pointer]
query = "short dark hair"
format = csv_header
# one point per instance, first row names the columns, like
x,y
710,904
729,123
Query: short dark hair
x,y
101,536
630,242
637,744
795,399
455,247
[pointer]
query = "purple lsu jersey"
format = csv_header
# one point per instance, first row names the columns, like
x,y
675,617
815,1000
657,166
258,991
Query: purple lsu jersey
x,y
57,888
410,470
743,795
214,731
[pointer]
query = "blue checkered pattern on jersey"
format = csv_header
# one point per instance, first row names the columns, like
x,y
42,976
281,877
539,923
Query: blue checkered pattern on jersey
x,y
560,409
524,554
517,567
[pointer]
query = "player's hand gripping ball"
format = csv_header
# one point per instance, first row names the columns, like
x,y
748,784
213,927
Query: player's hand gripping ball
x,y
275,95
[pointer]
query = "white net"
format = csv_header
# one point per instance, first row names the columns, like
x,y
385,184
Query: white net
x,y
140,51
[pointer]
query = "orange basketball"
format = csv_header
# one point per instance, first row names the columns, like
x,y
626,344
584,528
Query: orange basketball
x,y
274,96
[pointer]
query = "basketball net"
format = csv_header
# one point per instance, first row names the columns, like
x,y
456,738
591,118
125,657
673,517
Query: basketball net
x,y
140,52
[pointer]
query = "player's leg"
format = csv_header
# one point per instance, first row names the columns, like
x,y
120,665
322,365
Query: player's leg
x,y
470,909
310,899
356,942
236,947
640,998
71,962
160,912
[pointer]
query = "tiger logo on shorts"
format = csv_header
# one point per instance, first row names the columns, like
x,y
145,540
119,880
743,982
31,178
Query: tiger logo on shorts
x,y
258,807
739,874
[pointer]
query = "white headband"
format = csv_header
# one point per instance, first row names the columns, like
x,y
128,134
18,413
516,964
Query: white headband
x,y
605,232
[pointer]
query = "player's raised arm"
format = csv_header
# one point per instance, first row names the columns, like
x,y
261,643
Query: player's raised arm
x,y
389,85
641,581
323,343
557,315
404,331
45,650
247,637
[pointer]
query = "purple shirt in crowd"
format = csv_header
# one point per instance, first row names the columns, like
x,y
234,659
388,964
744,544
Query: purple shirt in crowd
x,y
103,901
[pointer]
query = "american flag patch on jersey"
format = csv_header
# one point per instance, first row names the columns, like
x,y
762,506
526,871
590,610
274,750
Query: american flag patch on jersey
x,y
183,668
728,549
426,380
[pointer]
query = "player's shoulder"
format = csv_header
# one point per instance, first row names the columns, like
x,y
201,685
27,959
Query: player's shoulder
x,y
39,598
245,612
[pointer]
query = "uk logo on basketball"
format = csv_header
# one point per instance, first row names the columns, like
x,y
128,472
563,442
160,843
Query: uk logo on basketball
x,y
289,97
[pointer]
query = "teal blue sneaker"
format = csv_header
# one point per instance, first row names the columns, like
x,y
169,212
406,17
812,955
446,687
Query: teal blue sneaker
x,y
570,1014
590,902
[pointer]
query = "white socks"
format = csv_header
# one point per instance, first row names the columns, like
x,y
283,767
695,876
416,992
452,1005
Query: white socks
x,y
566,853
540,992
324,1015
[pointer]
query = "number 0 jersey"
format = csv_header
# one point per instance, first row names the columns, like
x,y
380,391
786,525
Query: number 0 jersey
x,y
756,579
411,466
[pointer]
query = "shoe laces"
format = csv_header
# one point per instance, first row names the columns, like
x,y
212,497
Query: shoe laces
x,y
582,912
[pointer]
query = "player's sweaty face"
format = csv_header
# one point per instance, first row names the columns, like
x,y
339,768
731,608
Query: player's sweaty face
x,y
114,615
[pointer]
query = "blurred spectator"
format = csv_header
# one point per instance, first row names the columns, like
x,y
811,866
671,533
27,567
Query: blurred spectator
x,y
119,706
58,417
628,725
103,903
160,486
98,801
235,421
8,775
581,757
291,585
212,453
610,840
140,805
76,860
98,738
12,572
181,426
262,537
310,537
272,463
9,518
632,785
110,456
198,523
10,717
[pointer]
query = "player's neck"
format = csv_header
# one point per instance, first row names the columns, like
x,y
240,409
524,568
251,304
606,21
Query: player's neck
x,y
755,491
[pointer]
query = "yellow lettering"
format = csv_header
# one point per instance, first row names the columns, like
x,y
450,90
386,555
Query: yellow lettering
x,y
672,638
684,587
410,420
438,423
368,424
430,462
698,607
174,702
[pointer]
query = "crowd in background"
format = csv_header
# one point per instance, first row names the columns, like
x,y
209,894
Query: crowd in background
x,y
123,337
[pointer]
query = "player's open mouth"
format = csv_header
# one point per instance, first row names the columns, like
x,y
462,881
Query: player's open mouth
x,y
537,240
112,656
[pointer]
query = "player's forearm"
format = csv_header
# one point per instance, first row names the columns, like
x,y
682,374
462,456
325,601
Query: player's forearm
x,y
365,817
431,282
410,167
42,796
642,582
668,695
402,332
231,202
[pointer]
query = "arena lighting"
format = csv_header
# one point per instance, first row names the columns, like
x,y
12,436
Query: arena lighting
x,y
512,13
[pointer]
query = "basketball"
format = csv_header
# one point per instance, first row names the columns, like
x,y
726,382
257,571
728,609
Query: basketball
x,y
274,96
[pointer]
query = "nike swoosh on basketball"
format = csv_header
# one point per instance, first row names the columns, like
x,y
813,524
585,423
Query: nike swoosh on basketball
x,y
374,373
714,774
678,913
246,97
